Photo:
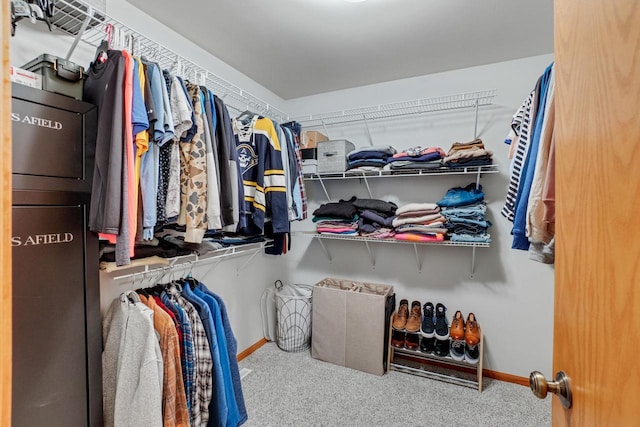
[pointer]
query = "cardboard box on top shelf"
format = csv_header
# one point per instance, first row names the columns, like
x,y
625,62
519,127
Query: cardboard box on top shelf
x,y
310,138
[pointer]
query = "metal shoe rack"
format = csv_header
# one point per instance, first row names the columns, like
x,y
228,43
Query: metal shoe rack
x,y
441,368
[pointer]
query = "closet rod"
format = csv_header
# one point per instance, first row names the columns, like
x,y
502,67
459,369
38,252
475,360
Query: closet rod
x,y
87,24
191,260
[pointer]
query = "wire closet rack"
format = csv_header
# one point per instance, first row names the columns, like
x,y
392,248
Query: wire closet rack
x,y
89,25
399,109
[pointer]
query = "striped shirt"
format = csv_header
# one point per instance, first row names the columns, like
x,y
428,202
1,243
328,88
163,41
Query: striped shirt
x,y
521,125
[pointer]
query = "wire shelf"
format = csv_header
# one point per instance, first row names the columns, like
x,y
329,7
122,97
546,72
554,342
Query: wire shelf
x,y
78,18
469,170
397,109
315,235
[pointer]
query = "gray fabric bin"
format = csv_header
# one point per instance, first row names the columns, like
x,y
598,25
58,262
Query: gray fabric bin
x,y
332,155
349,324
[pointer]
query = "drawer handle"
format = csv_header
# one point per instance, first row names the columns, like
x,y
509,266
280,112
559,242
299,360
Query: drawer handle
x,y
330,153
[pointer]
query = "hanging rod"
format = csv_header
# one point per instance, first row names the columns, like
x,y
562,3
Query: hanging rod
x,y
399,109
87,24
185,261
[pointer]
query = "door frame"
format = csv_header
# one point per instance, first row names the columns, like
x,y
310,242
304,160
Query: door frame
x,y
5,221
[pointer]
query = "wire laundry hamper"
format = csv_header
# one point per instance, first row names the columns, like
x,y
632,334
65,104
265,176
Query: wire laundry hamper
x,y
293,314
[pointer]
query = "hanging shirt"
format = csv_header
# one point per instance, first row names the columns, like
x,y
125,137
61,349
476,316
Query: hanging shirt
x,y
232,349
103,88
233,416
193,177
174,402
226,137
214,220
203,380
263,177
520,240
140,121
218,409
187,355
132,365
182,111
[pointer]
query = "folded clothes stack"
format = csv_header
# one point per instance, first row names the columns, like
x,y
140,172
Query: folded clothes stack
x,y
463,154
464,210
337,218
369,158
376,218
418,158
419,222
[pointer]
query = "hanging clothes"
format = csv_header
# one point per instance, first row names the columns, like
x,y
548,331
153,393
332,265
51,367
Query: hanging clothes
x,y
263,176
132,366
531,193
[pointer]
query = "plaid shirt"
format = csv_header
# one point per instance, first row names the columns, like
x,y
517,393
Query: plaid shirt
x,y
203,378
188,357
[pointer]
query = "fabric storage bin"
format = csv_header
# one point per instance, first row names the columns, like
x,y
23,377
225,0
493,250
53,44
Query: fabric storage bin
x,y
309,166
58,75
351,324
332,155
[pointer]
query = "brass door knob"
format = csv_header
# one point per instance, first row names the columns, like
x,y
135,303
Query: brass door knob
x,y
561,387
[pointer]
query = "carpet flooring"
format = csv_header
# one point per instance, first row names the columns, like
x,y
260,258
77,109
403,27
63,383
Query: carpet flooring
x,y
293,389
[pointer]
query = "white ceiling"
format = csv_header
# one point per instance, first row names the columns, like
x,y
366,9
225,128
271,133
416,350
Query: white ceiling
x,y
303,47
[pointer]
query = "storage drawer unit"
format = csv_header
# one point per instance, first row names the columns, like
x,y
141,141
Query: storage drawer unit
x,y
332,155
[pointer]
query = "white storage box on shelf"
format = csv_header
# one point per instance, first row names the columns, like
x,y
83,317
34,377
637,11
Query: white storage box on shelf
x,y
332,155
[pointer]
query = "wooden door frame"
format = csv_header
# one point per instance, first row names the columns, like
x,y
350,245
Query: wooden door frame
x,y
5,221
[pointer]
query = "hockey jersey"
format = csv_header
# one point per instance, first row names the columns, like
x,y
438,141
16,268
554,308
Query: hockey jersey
x,y
263,178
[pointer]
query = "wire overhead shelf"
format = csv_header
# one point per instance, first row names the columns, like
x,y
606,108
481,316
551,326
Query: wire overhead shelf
x,y
398,109
89,25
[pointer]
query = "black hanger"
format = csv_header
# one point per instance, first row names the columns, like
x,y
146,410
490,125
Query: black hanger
x,y
101,52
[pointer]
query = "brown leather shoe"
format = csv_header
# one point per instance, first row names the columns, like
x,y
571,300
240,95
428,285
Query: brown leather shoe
x,y
400,321
415,317
472,334
457,327
397,339
412,342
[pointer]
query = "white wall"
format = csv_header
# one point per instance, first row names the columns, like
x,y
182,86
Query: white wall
x,y
511,295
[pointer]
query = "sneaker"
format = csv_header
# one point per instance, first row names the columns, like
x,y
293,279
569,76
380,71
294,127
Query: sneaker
x,y
472,353
415,316
442,348
397,339
457,350
472,334
442,326
457,327
400,321
427,345
412,341
428,328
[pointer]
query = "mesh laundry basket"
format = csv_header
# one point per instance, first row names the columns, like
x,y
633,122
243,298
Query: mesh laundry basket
x,y
293,313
